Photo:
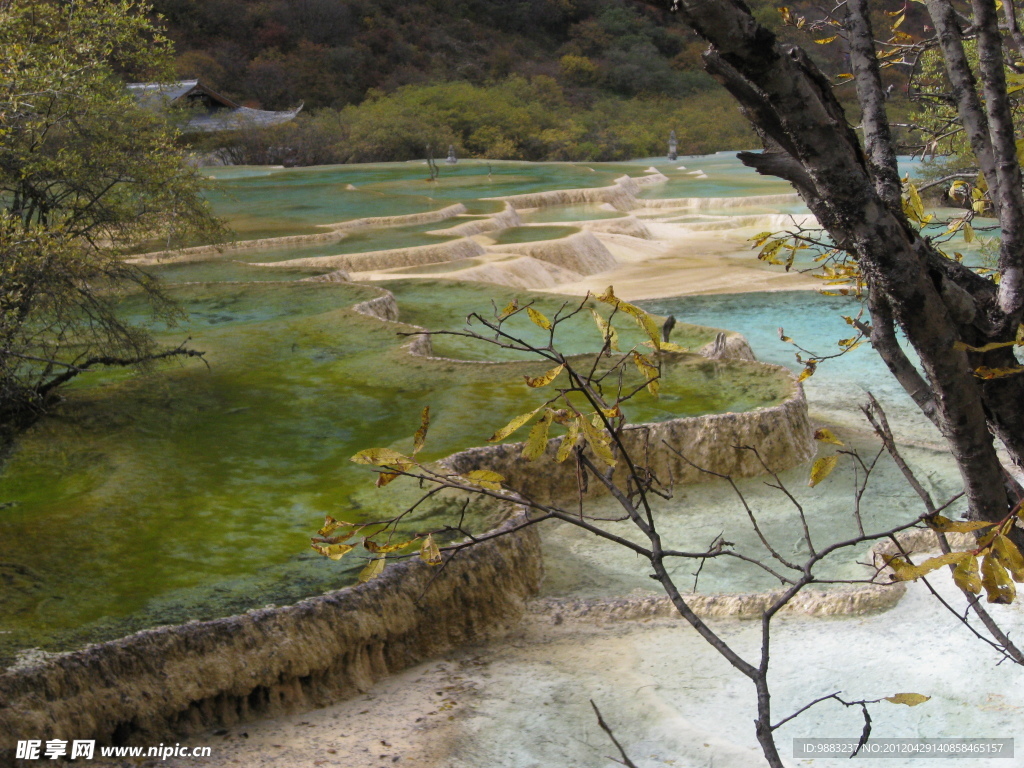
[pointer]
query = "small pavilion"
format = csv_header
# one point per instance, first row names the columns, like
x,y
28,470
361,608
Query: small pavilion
x,y
208,110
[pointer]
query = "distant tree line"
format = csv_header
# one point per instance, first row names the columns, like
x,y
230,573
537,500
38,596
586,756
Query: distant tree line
x,y
515,119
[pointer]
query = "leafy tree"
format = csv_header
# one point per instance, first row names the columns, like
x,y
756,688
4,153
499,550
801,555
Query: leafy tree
x,y
85,174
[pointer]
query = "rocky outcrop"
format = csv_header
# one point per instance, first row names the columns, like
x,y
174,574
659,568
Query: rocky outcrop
x,y
172,681
728,346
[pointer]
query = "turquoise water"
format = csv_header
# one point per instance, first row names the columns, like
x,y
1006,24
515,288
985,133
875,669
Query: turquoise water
x,y
190,491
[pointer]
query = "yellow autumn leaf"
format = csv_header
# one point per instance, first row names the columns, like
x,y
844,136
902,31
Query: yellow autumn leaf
x,y
538,439
383,549
825,435
904,571
1009,556
485,478
668,346
386,477
421,434
809,368
966,575
822,468
999,587
333,551
382,457
986,348
373,569
511,307
945,525
545,378
429,551
331,525
608,332
968,231
597,441
984,372
649,371
512,426
538,318
644,320
910,699
826,40
569,440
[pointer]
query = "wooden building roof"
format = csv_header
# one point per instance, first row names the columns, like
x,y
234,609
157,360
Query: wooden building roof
x,y
211,111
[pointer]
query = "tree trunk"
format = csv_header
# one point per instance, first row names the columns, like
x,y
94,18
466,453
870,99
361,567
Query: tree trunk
x,y
934,301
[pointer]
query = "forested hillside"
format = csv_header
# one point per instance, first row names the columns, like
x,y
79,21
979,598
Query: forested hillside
x,y
528,79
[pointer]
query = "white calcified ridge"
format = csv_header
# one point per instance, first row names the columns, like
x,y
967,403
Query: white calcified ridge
x,y
336,233
455,250
523,272
626,225
580,252
781,434
176,680
712,203
509,217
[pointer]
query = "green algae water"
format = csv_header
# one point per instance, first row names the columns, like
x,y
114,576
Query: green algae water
x,y
190,491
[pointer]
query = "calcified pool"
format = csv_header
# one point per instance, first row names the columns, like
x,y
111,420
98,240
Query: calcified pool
x,y
190,491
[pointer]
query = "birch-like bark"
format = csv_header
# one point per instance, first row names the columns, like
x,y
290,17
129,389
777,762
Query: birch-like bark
x,y
972,115
1013,27
881,154
1008,195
